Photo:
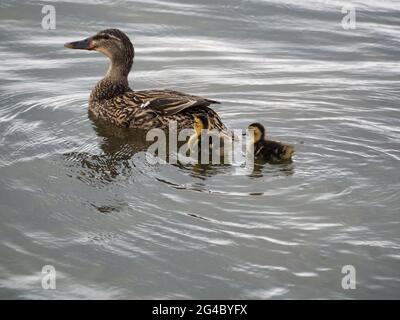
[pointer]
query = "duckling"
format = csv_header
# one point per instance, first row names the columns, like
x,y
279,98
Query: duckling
x,y
114,101
201,123
269,150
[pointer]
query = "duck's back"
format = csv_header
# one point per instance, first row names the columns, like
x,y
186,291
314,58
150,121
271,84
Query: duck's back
x,y
155,109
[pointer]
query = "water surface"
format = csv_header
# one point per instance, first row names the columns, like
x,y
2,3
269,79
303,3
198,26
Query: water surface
x,y
80,196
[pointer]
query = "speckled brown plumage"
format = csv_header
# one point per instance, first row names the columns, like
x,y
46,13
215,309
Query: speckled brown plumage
x,y
114,101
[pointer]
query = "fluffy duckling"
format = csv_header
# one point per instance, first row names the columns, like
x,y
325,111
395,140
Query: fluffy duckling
x,y
269,150
202,122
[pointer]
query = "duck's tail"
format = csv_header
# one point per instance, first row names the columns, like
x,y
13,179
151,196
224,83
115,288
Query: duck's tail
x,y
212,101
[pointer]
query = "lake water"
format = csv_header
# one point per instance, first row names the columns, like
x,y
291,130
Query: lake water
x,y
80,196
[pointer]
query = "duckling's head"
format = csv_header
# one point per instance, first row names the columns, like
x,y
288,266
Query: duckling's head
x,y
113,43
200,122
259,131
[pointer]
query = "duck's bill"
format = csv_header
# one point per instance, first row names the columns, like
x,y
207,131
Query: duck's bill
x,y
85,44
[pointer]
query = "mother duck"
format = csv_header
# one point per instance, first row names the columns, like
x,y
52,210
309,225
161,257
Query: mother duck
x,y
114,101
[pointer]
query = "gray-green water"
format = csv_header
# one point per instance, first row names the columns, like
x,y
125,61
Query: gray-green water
x,y
80,196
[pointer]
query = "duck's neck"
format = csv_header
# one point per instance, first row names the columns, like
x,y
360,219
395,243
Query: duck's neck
x,y
115,82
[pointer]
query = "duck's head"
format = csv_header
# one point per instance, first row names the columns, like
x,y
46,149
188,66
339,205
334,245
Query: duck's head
x,y
113,43
259,131
200,122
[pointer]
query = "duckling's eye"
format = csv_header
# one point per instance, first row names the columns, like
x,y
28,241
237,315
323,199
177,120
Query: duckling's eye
x,y
106,36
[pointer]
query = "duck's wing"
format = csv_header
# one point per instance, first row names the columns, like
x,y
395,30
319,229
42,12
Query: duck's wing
x,y
167,102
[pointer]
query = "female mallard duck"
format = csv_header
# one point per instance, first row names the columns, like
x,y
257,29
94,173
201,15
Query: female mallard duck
x,y
113,100
269,150
202,122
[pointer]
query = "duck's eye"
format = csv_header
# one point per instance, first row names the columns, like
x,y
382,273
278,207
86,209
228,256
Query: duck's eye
x,y
101,37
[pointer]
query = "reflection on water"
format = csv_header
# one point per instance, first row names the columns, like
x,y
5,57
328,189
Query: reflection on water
x,y
117,145
284,169
79,194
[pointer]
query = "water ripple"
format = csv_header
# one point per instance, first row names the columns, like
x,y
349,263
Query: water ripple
x,y
80,195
